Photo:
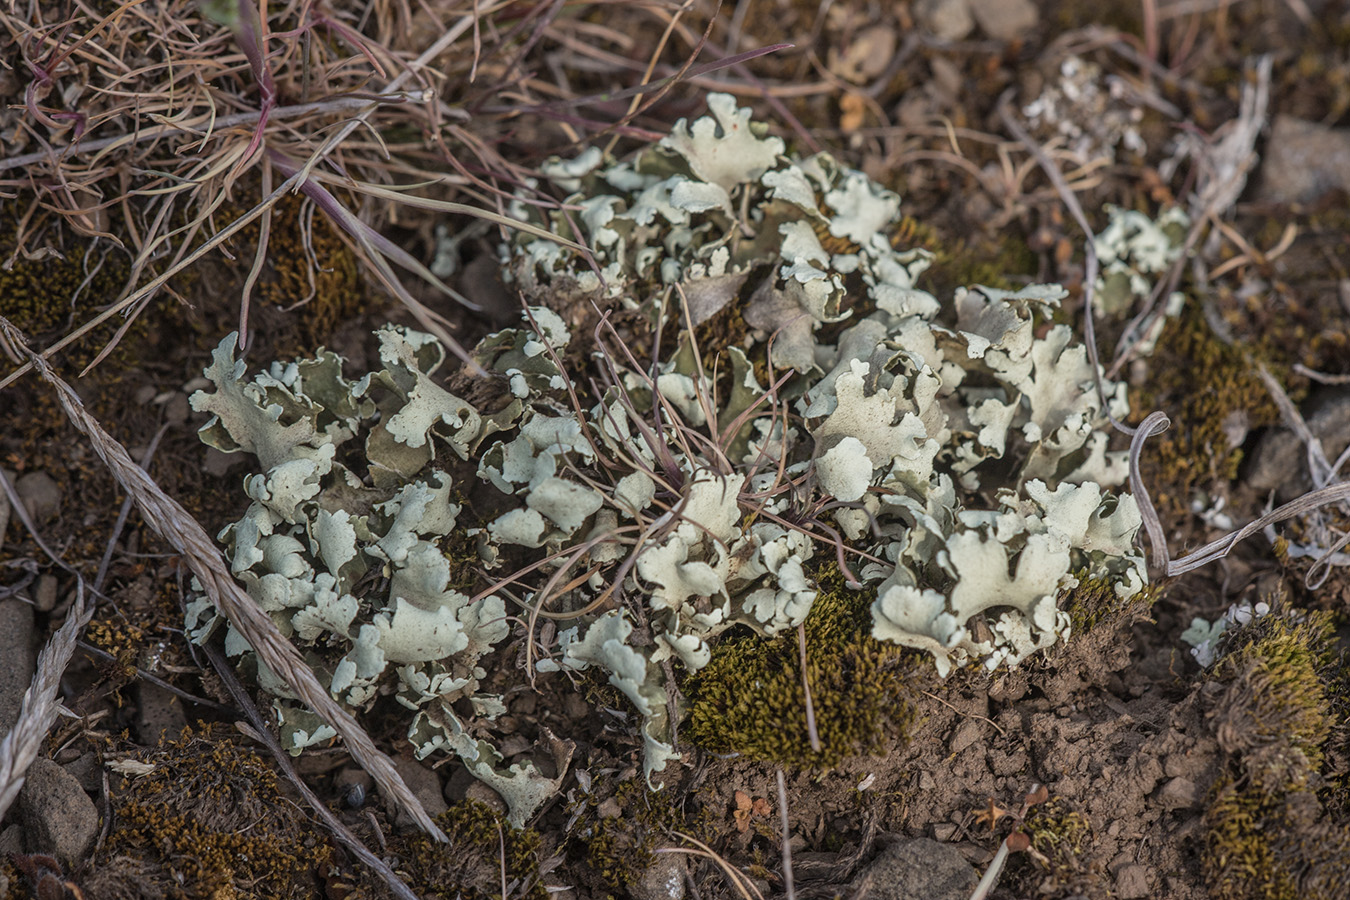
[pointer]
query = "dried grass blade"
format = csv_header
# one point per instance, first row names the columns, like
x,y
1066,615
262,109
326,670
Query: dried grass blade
x,y
478,212
40,706
340,831
1156,423
648,87
175,525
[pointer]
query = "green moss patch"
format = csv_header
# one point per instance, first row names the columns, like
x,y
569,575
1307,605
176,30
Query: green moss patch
x,y
750,699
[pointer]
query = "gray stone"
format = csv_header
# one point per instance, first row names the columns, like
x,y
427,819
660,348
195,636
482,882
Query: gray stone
x,y
662,880
4,505
481,793
159,714
1179,793
948,20
1279,461
908,869
1303,161
1132,882
44,595
58,816
11,841
18,658
41,494
1005,20
354,785
425,785
966,734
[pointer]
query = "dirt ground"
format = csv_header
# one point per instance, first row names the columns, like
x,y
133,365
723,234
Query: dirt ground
x,y
1161,777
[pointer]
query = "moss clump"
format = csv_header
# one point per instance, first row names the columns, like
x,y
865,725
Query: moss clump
x,y
58,280
619,848
470,865
1094,603
750,700
211,820
1202,381
1271,832
321,282
1059,836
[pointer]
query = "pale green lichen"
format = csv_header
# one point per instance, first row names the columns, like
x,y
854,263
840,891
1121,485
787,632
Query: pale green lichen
x,y
955,459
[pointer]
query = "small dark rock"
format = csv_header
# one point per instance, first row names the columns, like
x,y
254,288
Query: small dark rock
x,y
1132,882
1179,793
425,785
481,793
18,658
159,714
41,494
1005,20
966,734
1280,461
11,842
354,785
58,816
917,868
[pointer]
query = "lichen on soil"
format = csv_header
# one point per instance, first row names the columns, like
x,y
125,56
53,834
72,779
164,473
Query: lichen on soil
x,y
1166,777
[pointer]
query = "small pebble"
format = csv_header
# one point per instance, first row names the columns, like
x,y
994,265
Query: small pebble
x,y
1132,882
59,818
44,596
18,658
41,494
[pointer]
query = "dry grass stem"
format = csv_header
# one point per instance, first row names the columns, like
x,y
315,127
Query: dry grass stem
x,y
343,834
788,888
176,526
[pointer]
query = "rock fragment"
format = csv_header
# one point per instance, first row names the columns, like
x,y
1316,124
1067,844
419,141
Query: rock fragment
x,y
59,817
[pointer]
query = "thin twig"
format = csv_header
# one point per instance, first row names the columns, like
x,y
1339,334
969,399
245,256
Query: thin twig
x,y
811,732
283,760
786,843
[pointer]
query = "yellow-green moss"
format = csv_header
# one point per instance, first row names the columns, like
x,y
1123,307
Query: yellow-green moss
x,y
470,865
1276,677
210,820
336,289
1059,834
74,277
619,848
749,699
1279,846
1095,602
1201,381
1270,832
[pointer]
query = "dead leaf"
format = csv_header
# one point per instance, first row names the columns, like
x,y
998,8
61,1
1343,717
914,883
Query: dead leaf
x,y
741,814
747,810
990,814
867,56
852,112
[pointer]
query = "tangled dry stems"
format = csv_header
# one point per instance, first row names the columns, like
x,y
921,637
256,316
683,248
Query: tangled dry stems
x,y
145,127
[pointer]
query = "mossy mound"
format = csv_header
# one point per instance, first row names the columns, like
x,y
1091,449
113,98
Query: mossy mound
x,y
211,819
1211,389
483,853
1273,827
750,699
